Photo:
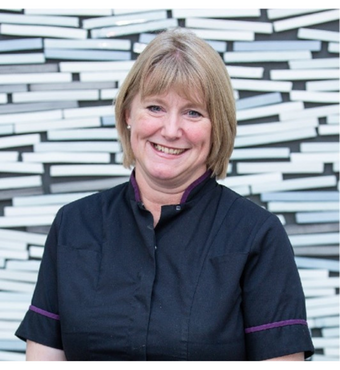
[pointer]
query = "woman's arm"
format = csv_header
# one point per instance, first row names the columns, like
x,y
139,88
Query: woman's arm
x,y
294,357
39,352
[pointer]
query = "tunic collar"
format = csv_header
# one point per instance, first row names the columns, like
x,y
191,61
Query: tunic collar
x,y
188,193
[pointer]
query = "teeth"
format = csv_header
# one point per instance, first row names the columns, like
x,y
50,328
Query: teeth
x,y
166,150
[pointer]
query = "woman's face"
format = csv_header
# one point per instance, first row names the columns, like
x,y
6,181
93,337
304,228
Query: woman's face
x,y
170,138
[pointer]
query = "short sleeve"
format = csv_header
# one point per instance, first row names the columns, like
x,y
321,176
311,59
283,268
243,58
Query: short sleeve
x,y
273,299
41,323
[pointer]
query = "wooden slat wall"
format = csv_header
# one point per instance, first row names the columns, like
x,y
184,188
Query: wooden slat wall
x,y
61,69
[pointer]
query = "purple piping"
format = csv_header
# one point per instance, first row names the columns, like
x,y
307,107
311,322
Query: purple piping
x,y
135,187
275,325
193,185
44,313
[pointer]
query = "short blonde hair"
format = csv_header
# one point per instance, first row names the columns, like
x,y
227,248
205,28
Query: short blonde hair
x,y
178,59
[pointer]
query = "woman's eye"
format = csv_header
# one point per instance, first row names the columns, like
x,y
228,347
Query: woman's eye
x,y
194,114
154,108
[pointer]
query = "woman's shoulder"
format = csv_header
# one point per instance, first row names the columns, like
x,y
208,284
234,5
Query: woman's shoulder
x,y
96,201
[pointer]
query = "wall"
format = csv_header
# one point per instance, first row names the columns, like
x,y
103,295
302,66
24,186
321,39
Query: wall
x,y
60,70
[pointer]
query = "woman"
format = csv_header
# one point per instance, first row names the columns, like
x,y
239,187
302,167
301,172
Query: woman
x,y
170,266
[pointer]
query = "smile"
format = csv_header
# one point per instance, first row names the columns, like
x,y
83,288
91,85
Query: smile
x,y
167,150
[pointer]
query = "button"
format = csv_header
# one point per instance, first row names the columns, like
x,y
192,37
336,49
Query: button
x,y
155,247
178,208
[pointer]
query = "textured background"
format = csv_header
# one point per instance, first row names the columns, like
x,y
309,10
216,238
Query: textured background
x,y
60,70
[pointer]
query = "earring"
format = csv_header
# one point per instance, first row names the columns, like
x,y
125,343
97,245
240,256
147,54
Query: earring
x,y
128,127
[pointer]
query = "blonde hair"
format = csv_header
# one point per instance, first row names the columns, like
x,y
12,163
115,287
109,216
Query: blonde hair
x,y
178,59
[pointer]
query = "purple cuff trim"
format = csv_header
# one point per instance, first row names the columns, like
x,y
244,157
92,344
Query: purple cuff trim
x,y
193,185
275,325
44,313
135,187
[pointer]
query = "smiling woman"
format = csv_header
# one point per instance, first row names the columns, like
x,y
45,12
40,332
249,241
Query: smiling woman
x,y
171,265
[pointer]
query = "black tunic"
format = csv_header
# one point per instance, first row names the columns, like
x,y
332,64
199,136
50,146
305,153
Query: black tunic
x,y
215,280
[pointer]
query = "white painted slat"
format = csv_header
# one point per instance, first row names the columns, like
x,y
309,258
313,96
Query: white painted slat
x,y
317,302
12,356
251,85
89,170
62,32
327,85
257,27
132,29
314,239
66,157
322,147
326,157
45,200
102,76
24,97
26,221
245,72
83,134
108,94
328,130
283,13
12,245
302,206
28,277
87,44
13,254
56,125
309,74
30,117
6,129
21,168
320,292
313,273
31,210
123,20
36,252
31,265
20,182
330,333
95,66
216,13
306,20
23,236
68,11
321,63
296,184
314,97
315,34
333,119
323,111
269,110
320,342
224,35
30,19
333,47
265,56
320,322
97,111
317,217
88,146
19,140
29,78
284,167
22,58
260,153
245,141
251,180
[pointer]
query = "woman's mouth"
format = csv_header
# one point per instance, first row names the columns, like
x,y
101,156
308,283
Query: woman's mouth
x,y
167,150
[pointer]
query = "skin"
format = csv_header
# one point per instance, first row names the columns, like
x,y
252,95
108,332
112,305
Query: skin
x,y
170,138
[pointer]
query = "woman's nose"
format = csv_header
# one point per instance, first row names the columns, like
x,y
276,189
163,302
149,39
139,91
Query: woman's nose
x,y
172,129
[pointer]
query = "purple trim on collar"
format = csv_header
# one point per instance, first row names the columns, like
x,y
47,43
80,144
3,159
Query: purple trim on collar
x,y
135,187
193,185
273,325
44,313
